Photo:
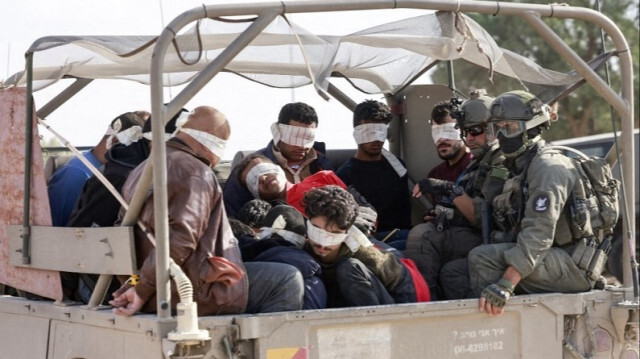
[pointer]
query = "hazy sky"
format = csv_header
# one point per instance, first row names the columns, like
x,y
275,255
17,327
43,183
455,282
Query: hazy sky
x,y
84,119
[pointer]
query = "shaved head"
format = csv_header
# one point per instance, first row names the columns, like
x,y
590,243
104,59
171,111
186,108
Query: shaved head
x,y
206,119
210,120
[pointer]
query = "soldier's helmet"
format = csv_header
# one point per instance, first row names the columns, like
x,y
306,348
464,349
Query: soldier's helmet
x,y
475,110
515,112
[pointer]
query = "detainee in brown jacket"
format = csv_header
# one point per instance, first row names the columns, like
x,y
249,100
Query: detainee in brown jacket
x,y
200,238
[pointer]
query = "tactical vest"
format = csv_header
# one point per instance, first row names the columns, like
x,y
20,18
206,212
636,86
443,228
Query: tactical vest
x,y
475,179
509,207
506,211
483,178
591,208
594,202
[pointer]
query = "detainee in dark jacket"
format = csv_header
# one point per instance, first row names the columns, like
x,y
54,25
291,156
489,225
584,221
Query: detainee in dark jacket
x,y
293,148
355,273
281,240
98,207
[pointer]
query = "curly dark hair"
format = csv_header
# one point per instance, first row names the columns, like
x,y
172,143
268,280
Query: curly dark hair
x,y
373,111
332,202
241,230
297,111
439,112
253,212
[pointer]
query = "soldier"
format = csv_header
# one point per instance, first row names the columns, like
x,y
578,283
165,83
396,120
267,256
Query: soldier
x,y
439,249
532,212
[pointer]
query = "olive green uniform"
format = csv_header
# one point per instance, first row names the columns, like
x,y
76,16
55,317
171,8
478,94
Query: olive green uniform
x,y
543,240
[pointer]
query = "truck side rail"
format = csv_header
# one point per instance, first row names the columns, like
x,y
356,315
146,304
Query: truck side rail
x,y
109,250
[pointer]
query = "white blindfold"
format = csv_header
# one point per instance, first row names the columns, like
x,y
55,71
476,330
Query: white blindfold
x,y
446,131
370,132
215,144
262,168
126,137
320,236
278,227
293,135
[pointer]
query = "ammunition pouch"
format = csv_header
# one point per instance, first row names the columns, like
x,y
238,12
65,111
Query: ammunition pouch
x,y
580,212
591,256
604,191
504,237
580,219
505,211
507,204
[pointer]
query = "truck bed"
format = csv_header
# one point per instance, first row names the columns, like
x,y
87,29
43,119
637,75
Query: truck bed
x,y
447,329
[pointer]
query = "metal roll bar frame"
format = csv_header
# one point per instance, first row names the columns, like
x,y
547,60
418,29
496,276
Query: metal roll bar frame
x,y
265,13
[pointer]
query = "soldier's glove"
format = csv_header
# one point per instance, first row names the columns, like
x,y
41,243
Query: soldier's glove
x,y
436,187
498,294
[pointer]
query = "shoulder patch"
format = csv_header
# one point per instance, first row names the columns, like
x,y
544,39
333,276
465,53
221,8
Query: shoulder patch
x,y
500,172
541,203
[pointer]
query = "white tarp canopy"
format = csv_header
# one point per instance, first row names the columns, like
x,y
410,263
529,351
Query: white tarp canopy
x,y
381,59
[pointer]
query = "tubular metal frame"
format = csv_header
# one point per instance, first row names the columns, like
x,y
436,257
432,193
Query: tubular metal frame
x,y
266,12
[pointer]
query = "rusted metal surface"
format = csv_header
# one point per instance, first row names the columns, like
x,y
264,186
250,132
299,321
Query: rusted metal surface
x,y
12,142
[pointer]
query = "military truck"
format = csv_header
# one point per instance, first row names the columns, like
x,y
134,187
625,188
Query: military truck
x,y
270,49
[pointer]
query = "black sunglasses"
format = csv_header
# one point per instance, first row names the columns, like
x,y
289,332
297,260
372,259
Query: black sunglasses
x,y
473,130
